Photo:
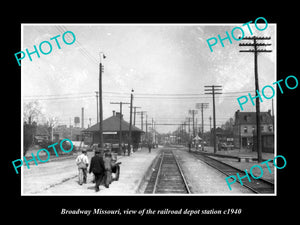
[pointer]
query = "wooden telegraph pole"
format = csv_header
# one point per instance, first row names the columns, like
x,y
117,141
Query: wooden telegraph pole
x,y
212,91
97,92
256,51
142,118
202,106
193,112
101,70
134,113
121,117
130,123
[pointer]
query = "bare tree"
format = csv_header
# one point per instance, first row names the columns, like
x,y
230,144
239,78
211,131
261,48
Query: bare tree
x,y
228,126
52,121
31,112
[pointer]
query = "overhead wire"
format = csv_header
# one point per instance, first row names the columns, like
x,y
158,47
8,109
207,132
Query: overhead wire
x,y
82,49
139,95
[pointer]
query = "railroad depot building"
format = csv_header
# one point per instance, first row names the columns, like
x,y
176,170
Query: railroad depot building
x,y
244,130
111,131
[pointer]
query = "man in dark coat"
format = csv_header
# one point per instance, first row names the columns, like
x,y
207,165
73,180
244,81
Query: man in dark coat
x,y
190,145
149,146
98,169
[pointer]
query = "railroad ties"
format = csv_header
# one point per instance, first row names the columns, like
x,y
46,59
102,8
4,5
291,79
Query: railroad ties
x,y
167,177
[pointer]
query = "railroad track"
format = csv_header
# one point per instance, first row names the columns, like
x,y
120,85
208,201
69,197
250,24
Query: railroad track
x,y
258,186
167,176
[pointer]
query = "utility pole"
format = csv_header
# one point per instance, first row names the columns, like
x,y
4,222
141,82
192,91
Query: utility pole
x,y
210,124
184,131
130,123
272,107
212,89
142,118
82,117
70,130
196,126
189,124
256,51
121,117
134,113
147,136
101,70
193,112
202,106
152,129
97,92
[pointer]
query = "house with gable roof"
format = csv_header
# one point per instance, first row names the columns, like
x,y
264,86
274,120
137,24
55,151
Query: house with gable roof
x,y
111,131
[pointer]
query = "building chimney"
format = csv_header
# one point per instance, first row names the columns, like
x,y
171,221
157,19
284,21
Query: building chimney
x,y
82,117
114,113
119,115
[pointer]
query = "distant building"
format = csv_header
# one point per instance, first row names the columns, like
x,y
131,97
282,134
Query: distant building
x,y
62,132
244,130
42,133
222,135
111,130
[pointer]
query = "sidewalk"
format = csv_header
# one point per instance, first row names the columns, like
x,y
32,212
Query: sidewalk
x,y
133,170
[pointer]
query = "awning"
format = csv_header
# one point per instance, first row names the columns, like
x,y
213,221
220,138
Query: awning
x,y
197,138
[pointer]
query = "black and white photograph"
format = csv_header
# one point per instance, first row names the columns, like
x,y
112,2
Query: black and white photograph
x,y
148,109
152,117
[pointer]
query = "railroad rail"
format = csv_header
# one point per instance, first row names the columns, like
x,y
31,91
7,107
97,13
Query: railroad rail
x,y
167,176
259,186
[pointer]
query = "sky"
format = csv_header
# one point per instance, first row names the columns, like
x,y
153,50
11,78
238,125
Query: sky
x,y
167,66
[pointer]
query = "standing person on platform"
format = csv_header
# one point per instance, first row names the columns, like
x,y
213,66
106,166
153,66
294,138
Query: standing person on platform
x,y
97,167
129,149
190,145
123,148
149,146
108,168
82,162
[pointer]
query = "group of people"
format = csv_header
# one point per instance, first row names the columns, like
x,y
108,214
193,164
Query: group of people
x,y
126,148
102,165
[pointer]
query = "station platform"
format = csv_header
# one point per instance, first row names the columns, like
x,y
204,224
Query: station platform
x,y
235,153
134,169
235,158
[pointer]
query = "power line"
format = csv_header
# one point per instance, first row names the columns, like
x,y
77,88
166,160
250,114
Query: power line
x,y
82,50
89,94
59,94
31,98
153,94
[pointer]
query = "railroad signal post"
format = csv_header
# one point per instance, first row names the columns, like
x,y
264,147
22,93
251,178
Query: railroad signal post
x,y
256,51
212,91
